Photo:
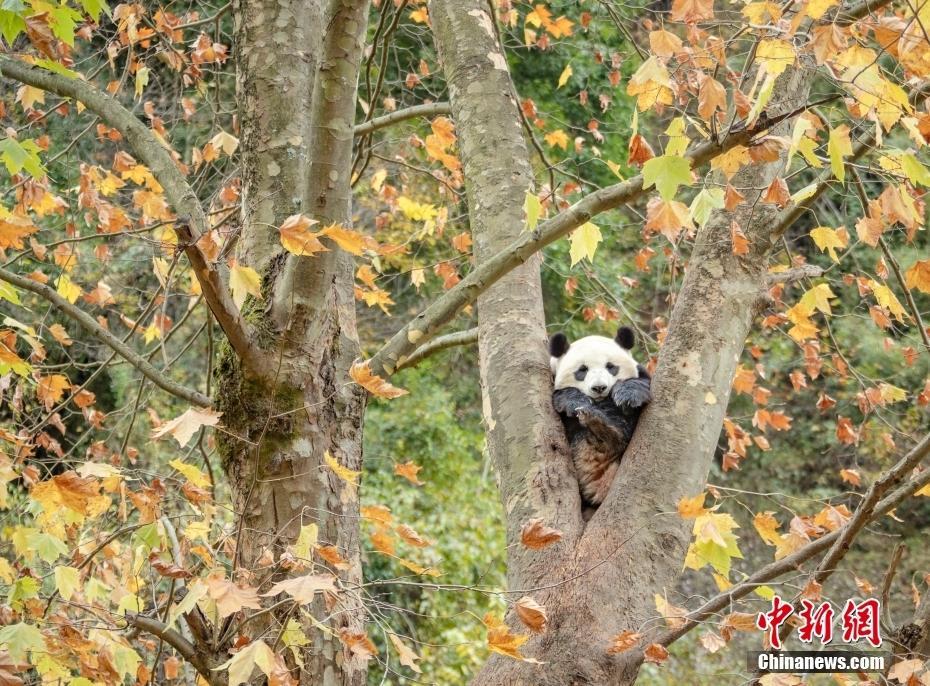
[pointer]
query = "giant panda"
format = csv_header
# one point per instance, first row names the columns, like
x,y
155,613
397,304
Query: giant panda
x,y
599,393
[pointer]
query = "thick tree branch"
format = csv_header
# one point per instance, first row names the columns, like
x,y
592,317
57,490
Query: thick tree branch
x,y
424,326
90,325
427,110
156,157
439,344
807,271
218,299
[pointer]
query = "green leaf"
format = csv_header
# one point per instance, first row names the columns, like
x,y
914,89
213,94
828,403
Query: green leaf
x,y
11,25
94,7
24,588
584,242
62,20
916,172
56,67
667,173
18,155
49,548
20,639
705,202
7,292
148,536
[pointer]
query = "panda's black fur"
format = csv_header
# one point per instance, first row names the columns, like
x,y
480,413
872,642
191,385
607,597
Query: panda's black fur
x,y
599,429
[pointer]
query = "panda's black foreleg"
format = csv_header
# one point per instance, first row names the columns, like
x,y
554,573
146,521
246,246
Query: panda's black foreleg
x,y
567,401
632,394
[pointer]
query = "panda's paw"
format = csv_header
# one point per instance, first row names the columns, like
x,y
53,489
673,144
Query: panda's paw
x,y
631,393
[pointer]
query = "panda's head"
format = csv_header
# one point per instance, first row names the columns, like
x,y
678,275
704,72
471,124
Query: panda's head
x,y
593,364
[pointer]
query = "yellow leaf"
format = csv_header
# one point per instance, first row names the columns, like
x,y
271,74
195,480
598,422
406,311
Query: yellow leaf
x,y
828,239
818,298
533,209
584,241
839,147
51,389
244,281
767,526
416,211
28,96
182,428
67,581
67,289
191,473
557,139
142,80
297,238
918,276
651,85
565,75
817,8
689,508
344,473
306,541
374,384
892,394
775,55
888,300
347,239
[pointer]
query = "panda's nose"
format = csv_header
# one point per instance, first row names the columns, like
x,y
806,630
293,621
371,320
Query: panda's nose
x,y
599,388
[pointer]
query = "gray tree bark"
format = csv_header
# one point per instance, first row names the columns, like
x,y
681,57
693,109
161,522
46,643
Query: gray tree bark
x,y
297,98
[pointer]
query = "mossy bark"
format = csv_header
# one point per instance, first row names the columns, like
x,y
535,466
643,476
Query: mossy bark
x,y
298,65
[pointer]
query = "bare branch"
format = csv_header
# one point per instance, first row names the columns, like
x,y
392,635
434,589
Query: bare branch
x,y
427,110
451,340
90,325
424,326
158,159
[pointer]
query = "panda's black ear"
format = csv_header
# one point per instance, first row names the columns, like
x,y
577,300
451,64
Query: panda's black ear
x,y
625,337
558,345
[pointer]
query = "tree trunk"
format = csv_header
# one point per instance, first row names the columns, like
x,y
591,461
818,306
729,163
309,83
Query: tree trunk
x,y
297,94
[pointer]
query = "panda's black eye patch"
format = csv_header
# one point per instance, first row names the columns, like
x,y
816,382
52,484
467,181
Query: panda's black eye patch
x,y
612,369
580,372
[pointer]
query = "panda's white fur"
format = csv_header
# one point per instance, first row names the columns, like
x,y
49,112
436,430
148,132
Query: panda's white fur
x,y
606,363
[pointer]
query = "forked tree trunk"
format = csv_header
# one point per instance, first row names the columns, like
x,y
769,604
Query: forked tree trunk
x,y
599,579
297,94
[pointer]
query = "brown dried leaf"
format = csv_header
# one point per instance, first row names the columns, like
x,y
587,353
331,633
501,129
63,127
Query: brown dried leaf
x,y
536,535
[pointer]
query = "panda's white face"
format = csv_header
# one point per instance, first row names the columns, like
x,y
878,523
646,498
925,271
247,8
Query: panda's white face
x,y
593,364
